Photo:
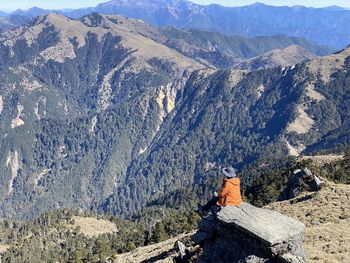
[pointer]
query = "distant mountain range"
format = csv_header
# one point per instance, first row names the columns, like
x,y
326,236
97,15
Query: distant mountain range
x,y
11,21
108,113
327,26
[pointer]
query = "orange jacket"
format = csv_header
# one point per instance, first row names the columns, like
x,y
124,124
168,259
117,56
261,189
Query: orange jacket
x,y
230,193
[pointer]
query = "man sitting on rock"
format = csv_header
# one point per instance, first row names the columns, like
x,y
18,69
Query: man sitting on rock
x,y
230,193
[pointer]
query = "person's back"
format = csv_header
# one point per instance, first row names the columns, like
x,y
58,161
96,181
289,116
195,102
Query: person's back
x,y
230,193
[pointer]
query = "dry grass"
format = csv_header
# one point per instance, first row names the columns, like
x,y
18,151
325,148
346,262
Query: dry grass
x,y
287,57
326,215
136,35
324,159
3,248
303,123
325,66
161,252
295,150
92,227
313,94
235,77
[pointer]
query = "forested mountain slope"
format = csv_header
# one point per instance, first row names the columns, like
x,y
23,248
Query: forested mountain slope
x,y
83,98
104,114
236,117
236,51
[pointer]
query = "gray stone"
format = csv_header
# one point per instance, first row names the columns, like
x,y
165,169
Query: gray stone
x,y
253,259
319,183
269,226
300,181
288,258
249,234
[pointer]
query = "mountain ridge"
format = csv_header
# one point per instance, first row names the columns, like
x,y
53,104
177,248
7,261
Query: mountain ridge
x,y
309,23
287,57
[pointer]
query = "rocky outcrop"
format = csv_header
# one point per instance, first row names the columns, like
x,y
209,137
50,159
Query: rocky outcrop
x,y
250,234
301,181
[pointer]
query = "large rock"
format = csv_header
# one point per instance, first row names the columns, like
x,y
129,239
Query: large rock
x,y
301,180
249,234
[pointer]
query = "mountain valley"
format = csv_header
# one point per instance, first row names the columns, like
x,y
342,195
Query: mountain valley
x,y
93,119
116,121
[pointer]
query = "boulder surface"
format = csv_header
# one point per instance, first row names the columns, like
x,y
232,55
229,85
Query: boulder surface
x,y
250,234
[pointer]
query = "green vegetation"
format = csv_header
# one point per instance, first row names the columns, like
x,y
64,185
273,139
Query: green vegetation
x,y
51,237
165,133
338,171
267,187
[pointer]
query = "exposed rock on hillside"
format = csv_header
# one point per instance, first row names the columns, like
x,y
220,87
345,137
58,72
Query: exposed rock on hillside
x,y
300,181
245,232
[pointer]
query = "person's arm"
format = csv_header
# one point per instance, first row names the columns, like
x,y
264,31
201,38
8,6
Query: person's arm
x,y
225,189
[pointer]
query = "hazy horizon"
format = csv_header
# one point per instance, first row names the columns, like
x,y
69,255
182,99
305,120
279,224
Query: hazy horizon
x,y
10,6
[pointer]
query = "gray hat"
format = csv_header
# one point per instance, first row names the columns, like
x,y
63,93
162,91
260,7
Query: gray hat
x,y
229,172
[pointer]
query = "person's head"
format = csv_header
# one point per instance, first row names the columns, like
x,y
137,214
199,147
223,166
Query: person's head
x,y
229,172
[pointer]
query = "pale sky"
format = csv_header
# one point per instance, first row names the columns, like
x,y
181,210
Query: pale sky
x,y
8,5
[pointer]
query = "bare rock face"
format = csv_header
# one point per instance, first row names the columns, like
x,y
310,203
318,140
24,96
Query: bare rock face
x,y
250,234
